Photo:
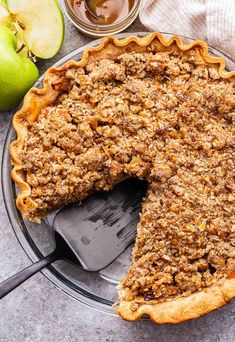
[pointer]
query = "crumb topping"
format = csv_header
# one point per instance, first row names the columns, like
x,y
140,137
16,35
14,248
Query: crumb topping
x,y
166,117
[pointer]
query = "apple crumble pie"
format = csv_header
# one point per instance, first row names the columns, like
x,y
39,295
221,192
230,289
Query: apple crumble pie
x,y
158,112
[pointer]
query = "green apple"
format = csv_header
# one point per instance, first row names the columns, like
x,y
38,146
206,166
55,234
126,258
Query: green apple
x,y
17,73
40,24
7,20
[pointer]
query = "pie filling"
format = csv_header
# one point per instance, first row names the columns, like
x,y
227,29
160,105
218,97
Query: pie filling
x,y
168,118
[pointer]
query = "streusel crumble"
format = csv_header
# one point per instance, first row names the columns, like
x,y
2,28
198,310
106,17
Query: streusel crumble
x,y
165,117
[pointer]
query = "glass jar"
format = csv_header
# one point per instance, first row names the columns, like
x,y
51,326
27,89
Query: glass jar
x,y
95,31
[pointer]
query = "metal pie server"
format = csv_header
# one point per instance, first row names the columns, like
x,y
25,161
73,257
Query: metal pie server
x,y
90,235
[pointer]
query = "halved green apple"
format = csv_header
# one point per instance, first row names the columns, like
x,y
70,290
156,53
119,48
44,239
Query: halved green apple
x,y
5,17
40,24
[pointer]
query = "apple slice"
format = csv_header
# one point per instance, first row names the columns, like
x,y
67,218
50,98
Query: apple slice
x,y
5,18
41,25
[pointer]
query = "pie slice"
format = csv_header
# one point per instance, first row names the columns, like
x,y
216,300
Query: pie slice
x,y
161,111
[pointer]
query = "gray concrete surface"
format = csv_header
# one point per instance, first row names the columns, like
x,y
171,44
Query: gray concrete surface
x,y
38,311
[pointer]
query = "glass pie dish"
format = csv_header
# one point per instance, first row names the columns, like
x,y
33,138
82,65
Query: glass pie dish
x,y
95,289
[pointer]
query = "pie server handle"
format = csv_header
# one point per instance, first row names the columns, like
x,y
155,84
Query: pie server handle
x,y
14,281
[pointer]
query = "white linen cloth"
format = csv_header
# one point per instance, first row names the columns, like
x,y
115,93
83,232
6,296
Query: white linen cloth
x,y
209,20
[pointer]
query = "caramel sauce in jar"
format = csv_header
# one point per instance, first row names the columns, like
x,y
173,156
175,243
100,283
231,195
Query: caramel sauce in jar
x,y
108,11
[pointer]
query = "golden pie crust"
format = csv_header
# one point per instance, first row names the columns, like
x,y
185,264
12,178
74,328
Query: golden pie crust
x,y
181,309
169,311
